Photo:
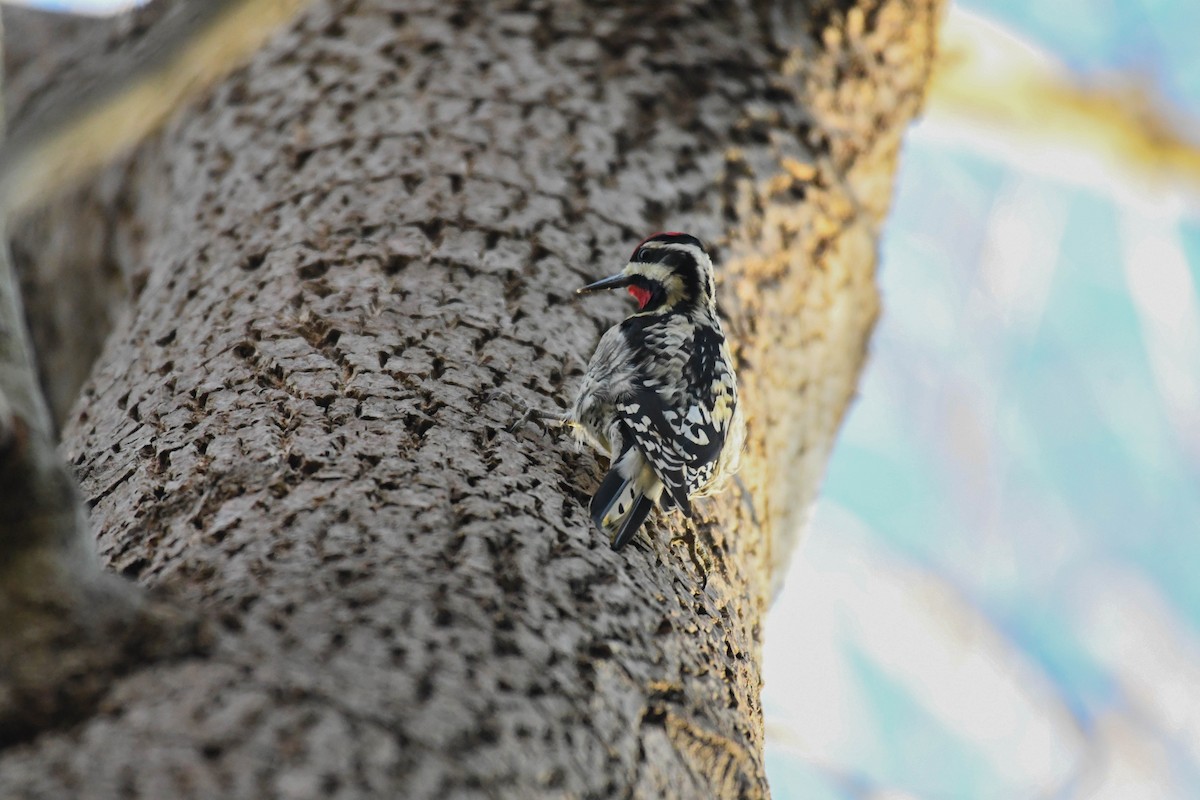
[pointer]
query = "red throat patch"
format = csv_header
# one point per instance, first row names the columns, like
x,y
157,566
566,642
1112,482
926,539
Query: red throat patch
x,y
641,295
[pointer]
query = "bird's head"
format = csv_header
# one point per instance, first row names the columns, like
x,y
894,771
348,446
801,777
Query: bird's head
x,y
667,272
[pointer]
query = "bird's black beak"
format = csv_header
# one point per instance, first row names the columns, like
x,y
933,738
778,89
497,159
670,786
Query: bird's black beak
x,y
615,282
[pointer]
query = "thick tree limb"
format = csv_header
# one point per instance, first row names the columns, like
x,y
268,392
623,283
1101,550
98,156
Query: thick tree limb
x,y
347,247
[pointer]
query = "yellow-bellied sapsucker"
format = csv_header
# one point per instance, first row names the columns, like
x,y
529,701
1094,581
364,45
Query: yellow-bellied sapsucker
x,y
660,396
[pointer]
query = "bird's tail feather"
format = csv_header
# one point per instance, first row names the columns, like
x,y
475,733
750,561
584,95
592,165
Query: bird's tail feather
x,y
641,508
618,506
612,500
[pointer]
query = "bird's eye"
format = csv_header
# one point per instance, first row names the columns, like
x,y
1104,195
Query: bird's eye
x,y
640,255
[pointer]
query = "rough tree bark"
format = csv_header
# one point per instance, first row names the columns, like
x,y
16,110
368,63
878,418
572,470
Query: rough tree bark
x,y
344,248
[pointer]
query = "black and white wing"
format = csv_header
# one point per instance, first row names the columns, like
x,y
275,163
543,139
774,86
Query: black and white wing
x,y
681,434
653,428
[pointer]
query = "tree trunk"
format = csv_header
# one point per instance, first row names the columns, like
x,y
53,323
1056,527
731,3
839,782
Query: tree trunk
x,y
345,248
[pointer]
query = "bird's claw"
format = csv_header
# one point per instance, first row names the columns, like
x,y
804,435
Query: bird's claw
x,y
545,419
530,415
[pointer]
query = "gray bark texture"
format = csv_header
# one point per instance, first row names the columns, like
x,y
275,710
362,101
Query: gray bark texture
x,y
339,253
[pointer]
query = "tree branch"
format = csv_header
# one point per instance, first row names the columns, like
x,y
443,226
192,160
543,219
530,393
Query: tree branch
x,y
90,90
66,627
99,110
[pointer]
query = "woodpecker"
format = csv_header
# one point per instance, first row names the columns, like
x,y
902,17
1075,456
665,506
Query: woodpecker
x,y
659,397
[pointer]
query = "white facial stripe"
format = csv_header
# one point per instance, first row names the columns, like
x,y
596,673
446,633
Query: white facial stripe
x,y
691,249
655,272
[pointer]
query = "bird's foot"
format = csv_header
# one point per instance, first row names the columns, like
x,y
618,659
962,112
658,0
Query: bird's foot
x,y
547,420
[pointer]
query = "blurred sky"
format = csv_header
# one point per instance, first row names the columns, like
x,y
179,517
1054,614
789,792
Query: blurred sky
x,y
81,6
998,596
